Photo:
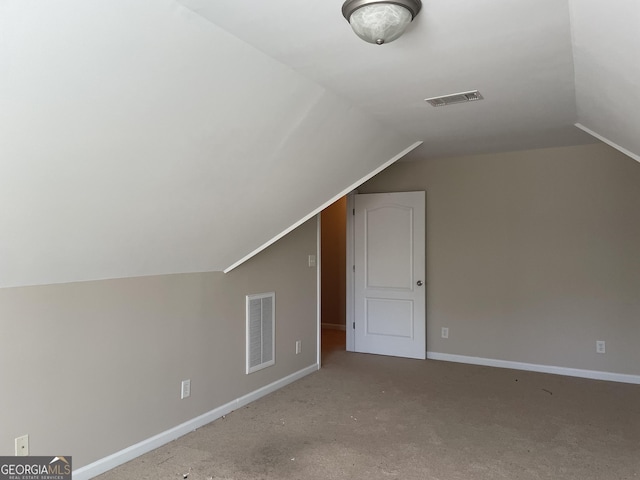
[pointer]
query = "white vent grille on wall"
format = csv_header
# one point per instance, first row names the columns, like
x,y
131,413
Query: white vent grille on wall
x,y
261,337
461,97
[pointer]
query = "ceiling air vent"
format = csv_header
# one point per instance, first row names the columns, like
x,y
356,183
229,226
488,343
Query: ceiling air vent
x,y
461,97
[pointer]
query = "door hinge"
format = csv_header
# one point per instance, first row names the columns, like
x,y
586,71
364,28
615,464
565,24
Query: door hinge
x,y
354,268
354,325
354,211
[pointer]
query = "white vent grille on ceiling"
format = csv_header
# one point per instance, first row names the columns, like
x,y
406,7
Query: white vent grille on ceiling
x,y
261,338
461,97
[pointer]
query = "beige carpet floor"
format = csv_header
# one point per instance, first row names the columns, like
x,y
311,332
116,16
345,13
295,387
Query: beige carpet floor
x,y
368,417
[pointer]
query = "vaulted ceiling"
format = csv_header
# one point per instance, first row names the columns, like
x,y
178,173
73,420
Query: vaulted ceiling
x,y
142,137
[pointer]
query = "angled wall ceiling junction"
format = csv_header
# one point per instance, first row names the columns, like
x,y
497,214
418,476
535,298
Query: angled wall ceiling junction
x,y
142,137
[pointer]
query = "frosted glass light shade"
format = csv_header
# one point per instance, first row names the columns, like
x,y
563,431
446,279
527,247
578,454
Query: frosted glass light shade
x,y
380,22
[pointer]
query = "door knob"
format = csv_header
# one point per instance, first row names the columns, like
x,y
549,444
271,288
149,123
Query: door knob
x,y
419,283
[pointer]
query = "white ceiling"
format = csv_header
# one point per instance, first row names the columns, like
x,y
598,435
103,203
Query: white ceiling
x,y
517,53
138,137
606,50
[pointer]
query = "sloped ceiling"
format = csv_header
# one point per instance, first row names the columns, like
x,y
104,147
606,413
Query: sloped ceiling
x,y
138,138
142,137
606,50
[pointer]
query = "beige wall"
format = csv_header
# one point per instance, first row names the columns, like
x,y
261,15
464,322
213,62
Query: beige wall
x,y
334,257
88,369
531,256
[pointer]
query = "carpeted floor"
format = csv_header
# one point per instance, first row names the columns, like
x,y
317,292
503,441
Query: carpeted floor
x,y
372,417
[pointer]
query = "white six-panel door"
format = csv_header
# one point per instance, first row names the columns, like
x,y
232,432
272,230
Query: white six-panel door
x,y
389,294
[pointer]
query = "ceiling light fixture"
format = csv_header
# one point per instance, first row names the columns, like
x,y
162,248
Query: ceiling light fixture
x,y
379,21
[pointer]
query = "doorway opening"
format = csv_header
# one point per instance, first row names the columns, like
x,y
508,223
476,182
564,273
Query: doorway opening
x,y
333,257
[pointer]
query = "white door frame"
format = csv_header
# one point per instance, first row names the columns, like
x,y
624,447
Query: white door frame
x,y
351,279
318,291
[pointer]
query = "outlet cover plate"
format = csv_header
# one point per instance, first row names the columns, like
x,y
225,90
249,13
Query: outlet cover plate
x,y
445,332
601,346
22,446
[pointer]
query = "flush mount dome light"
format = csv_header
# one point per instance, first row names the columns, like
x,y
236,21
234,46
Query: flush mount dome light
x,y
378,21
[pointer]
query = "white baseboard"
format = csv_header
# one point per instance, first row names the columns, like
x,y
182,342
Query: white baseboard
x,y
123,456
532,367
334,326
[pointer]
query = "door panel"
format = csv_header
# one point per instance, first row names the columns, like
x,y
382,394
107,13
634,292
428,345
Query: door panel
x,y
379,310
389,264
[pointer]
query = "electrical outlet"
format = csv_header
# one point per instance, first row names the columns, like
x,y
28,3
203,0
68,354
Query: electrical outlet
x,y
186,389
445,332
22,446
298,347
601,346
312,260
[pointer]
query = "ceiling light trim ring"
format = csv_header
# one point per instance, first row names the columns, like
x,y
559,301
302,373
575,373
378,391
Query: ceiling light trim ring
x,y
351,6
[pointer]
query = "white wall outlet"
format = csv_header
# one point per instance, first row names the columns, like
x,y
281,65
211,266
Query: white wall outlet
x,y
185,391
601,346
445,332
22,446
312,260
298,347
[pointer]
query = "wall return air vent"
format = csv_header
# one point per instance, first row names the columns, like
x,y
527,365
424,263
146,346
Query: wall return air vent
x,y
461,97
261,334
